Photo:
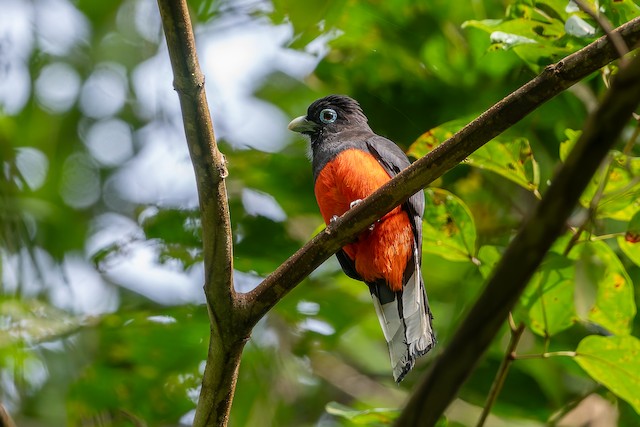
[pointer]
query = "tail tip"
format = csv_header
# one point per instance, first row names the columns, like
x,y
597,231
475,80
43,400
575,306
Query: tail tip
x,y
404,366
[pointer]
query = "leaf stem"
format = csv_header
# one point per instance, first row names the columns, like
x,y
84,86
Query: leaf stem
x,y
545,355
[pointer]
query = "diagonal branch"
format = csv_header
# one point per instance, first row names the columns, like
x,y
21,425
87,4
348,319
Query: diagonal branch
x,y
479,327
553,80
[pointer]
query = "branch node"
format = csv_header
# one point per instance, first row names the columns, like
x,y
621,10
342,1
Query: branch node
x,y
222,168
557,67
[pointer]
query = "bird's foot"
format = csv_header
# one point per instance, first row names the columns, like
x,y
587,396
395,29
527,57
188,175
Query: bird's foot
x,y
356,203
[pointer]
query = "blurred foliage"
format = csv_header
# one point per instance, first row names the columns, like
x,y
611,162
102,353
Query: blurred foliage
x,y
421,70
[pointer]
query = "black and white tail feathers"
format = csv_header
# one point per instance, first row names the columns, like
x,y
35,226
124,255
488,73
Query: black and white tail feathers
x,y
405,319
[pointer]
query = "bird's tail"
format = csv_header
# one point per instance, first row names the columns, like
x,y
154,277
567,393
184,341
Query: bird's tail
x,y
405,318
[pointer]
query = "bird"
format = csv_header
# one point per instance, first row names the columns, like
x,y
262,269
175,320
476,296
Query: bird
x,y
349,163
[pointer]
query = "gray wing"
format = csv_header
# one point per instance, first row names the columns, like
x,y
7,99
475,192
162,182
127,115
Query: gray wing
x,y
394,160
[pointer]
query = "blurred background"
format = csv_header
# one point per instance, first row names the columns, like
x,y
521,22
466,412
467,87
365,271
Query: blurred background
x,y
102,319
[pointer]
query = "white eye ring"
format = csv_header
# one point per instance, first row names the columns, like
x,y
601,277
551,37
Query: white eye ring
x,y
328,116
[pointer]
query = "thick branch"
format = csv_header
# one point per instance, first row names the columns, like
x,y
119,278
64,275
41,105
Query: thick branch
x,y
208,162
553,80
228,335
524,254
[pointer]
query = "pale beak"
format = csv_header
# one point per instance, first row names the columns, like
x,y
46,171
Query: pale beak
x,y
302,125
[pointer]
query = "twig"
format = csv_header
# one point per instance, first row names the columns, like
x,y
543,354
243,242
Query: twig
x,y
501,375
479,327
5,418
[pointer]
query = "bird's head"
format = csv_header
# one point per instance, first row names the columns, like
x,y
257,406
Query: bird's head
x,y
331,114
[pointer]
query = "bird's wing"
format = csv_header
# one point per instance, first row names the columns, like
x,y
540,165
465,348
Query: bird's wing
x,y
405,316
394,160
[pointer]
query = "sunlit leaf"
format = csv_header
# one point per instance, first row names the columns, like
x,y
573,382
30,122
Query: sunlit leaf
x,y
615,363
620,11
548,301
630,243
567,145
510,159
604,287
434,137
488,257
369,417
632,234
534,38
620,199
630,249
448,227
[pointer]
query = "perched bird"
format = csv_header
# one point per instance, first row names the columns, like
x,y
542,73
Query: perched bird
x,y
349,163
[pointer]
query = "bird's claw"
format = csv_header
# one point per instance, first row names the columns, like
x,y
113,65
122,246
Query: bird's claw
x,y
333,219
356,203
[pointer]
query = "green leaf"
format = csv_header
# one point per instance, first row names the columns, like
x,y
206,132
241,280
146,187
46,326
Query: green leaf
x,y
605,288
567,145
620,11
537,42
32,321
630,249
548,301
615,363
448,227
621,196
434,137
489,257
511,159
629,243
369,417
633,229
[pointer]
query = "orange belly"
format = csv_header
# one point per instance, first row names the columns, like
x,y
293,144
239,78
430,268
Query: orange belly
x,y
383,252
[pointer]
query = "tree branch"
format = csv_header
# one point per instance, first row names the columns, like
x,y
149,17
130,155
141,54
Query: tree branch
x,y
448,372
228,331
553,80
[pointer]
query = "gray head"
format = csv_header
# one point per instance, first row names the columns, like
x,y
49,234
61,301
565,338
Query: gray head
x,y
329,115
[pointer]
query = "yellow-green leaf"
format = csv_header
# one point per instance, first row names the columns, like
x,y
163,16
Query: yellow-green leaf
x,y
448,227
567,145
510,159
621,196
548,302
615,363
368,417
605,290
434,137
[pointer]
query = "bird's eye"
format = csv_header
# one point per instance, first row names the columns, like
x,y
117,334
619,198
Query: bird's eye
x,y
328,116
